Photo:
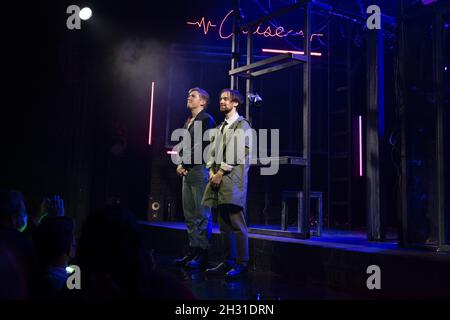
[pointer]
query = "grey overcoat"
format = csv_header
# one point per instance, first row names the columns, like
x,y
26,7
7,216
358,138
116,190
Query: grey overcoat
x,y
233,187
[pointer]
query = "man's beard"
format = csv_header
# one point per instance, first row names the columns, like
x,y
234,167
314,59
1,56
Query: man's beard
x,y
225,110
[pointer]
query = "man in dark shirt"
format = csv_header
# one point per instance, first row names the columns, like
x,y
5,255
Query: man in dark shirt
x,y
195,178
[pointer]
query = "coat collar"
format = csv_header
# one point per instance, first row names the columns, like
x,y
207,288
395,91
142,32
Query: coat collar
x,y
234,123
190,121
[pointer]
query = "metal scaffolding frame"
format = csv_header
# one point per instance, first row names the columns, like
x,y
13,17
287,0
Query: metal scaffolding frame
x,y
282,61
438,77
406,230
270,65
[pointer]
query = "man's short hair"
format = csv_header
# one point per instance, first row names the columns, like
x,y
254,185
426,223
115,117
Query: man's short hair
x,y
235,96
10,203
203,94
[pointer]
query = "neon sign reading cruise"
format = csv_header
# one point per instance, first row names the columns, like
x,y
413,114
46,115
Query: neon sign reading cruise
x,y
279,32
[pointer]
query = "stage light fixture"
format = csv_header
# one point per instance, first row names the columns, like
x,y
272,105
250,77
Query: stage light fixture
x,y
85,13
255,99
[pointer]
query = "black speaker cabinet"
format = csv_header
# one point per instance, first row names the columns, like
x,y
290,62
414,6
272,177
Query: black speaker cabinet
x,y
155,210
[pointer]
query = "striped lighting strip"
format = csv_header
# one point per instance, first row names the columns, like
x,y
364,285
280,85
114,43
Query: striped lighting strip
x,y
317,54
152,93
360,146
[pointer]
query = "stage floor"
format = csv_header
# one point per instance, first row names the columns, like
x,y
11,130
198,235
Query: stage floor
x,y
332,266
354,240
255,286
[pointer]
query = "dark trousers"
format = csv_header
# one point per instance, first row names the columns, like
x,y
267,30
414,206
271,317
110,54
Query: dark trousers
x,y
198,217
232,222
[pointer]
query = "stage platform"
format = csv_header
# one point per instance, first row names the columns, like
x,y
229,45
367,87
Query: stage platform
x,y
338,259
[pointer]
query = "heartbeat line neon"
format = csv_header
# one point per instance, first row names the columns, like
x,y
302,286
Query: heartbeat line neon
x,y
202,23
279,32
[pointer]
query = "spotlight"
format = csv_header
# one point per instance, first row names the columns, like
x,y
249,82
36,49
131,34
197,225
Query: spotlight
x,y
85,13
255,99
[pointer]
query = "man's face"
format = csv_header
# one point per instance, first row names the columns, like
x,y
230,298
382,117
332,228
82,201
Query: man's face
x,y
226,105
194,100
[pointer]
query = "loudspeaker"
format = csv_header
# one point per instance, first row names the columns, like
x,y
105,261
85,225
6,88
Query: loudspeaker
x,y
155,210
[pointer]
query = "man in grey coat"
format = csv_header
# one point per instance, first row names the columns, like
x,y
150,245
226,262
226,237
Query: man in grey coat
x,y
227,187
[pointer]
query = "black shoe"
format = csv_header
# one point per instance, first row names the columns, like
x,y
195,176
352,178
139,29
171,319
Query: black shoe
x,y
182,261
221,269
193,251
238,271
200,261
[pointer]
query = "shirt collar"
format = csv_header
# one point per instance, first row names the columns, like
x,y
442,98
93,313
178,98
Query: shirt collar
x,y
232,119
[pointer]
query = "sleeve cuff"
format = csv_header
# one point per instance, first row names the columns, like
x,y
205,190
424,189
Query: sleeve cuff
x,y
226,167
